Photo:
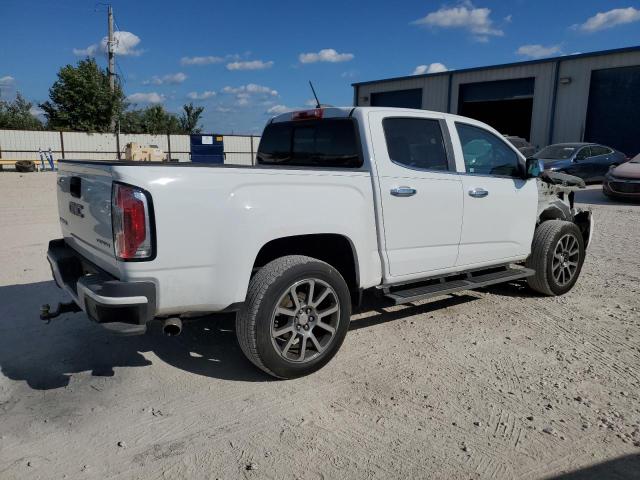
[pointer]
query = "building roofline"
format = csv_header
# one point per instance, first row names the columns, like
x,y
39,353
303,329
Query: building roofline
x,y
506,65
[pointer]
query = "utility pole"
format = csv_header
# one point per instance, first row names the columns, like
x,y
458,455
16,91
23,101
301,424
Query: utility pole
x,y
112,59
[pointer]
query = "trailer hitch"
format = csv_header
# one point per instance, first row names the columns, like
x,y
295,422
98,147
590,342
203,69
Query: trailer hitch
x,y
46,315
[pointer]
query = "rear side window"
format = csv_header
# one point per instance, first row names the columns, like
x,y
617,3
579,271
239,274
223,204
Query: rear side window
x,y
415,143
311,143
597,150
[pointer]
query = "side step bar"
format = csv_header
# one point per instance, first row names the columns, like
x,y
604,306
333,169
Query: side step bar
x,y
455,283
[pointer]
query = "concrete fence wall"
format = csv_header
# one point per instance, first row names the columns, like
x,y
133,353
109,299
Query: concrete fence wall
x,y
24,145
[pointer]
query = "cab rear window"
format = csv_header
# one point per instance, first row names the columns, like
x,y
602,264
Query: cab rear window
x,y
330,143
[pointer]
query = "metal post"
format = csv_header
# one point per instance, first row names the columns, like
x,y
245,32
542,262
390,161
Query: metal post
x,y
118,143
112,59
169,147
251,140
62,144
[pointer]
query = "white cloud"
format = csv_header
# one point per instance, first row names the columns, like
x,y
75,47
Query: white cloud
x,y
125,44
37,112
539,51
610,19
7,85
7,80
199,61
151,97
465,16
90,51
325,55
278,109
251,88
311,102
170,79
201,96
431,68
249,65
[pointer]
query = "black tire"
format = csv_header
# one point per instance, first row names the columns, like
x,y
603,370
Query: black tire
x,y
267,288
25,166
545,242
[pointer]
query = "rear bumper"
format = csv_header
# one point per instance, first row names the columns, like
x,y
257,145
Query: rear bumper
x,y
125,307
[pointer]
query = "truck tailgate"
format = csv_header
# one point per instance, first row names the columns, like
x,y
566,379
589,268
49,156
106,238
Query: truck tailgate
x,y
84,208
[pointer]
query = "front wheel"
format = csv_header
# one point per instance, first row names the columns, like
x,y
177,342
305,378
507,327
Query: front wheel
x,y
557,255
295,317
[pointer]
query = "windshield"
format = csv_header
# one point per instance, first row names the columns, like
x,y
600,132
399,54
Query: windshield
x,y
556,152
318,143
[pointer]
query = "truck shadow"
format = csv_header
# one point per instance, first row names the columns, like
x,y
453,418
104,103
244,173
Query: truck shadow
x,y
47,356
621,468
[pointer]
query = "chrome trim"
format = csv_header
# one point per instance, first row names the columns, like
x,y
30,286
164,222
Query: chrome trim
x,y
478,192
403,191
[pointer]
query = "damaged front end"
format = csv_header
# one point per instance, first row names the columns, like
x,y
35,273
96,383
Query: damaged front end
x,y
556,193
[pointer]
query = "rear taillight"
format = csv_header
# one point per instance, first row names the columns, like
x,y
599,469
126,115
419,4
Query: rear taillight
x,y
314,114
131,224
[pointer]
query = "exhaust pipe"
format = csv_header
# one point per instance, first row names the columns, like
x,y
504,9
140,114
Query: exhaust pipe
x,y
172,327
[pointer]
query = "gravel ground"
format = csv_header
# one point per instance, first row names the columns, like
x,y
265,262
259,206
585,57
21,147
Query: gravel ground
x,y
492,384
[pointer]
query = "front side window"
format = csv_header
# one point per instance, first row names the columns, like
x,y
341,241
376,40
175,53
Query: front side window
x,y
415,143
311,143
485,153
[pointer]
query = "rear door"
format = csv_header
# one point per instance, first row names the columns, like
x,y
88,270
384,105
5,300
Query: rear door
x,y
499,205
84,209
420,192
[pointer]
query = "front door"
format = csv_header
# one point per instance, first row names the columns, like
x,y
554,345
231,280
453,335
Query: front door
x,y
420,193
499,205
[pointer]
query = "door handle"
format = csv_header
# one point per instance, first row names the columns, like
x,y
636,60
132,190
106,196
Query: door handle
x,y
478,193
403,191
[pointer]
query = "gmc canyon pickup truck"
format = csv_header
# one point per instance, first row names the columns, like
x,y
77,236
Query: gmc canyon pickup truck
x,y
408,203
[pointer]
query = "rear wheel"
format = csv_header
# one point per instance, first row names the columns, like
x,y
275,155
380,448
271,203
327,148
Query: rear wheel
x,y
557,256
295,317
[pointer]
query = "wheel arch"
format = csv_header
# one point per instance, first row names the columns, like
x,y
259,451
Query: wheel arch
x,y
335,249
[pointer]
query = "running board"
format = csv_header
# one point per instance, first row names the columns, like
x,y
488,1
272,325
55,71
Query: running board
x,y
456,283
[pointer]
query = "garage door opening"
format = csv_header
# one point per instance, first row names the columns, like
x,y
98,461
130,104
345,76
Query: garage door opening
x,y
613,114
506,105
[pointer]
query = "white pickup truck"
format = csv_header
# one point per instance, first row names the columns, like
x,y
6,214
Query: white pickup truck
x,y
409,203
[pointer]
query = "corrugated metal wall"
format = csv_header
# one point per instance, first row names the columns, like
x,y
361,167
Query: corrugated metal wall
x,y
571,106
571,101
24,145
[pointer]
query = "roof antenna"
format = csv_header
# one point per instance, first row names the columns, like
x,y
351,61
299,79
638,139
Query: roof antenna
x,y
314,94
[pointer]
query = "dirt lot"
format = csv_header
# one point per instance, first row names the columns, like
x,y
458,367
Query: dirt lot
x,y
491,384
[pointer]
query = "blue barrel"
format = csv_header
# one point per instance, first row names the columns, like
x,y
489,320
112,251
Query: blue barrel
x,y
207,148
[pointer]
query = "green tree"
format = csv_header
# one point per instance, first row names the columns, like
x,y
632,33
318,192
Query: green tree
x,y
154,120
82,100
190,117
17,115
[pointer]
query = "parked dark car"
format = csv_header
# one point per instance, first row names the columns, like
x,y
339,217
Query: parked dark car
x,y
522,145
589,161
623,181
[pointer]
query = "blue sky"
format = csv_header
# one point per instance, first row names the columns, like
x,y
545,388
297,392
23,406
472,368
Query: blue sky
x,y
244,61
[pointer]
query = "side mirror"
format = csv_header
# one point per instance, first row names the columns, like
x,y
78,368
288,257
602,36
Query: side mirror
x,y
534,167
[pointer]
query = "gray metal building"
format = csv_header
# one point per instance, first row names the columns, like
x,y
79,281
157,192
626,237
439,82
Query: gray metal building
x,y
583,97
